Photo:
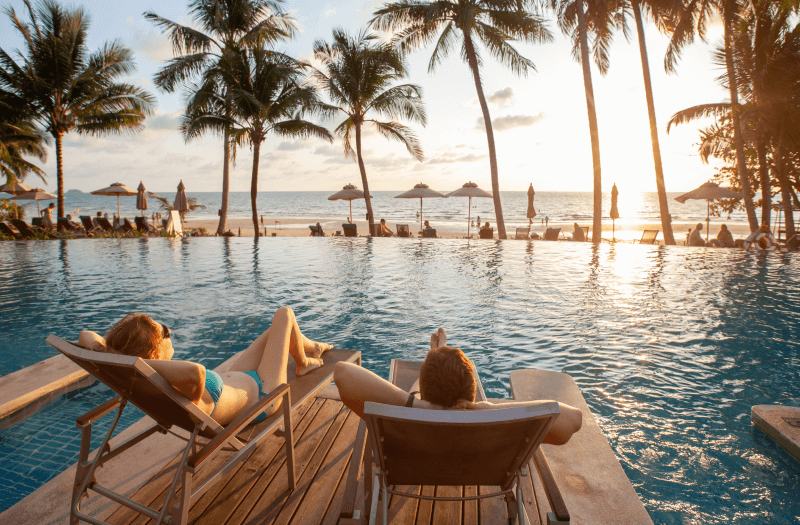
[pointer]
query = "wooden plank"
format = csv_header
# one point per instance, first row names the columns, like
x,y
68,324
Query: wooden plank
x,y
589,475
425,506
446,512
781,424
492,511
529,498
310,500
335,507
542,504
267,498
218,504
401,509
470,508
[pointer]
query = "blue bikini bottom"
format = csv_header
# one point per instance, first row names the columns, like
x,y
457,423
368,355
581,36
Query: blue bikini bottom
x,y
263,415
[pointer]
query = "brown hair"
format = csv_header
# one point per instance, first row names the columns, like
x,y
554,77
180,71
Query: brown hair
x,y
446,376
136,335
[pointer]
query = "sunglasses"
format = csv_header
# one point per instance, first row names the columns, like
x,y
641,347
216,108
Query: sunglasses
x,y
165,333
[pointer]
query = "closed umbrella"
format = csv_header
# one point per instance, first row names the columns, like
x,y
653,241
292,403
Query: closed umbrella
x,y
348,193
36,195
15,189
614,210
141,198
181,203
708,192
531,210
117,189
470,190
420,191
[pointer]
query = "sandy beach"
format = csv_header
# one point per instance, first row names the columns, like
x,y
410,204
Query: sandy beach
x,y
294,227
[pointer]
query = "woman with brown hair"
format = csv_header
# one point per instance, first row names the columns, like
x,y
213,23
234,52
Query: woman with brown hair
x,y
224,396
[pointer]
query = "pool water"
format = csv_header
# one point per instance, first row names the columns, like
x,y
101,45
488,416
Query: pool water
x,y
670,346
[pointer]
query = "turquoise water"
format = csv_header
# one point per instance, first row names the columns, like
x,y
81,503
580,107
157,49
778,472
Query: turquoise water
x,y
671,346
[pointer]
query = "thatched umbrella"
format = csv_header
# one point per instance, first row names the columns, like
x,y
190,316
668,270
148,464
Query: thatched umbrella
x,y
531,210
15,189
348,193
181,203
141,198
470,190
614,211
36,195
708,192
117,189
421,191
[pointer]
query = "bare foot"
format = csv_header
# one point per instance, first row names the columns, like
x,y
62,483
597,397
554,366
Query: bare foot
x,y
317,349
434,341
312,363
442,337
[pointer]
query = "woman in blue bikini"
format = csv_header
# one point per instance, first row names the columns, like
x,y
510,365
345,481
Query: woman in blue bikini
x,y
257,371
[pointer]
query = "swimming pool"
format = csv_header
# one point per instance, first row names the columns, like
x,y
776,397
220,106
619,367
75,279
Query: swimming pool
x,y
671,346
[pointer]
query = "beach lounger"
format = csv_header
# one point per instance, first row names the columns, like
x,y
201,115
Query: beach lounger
x,y
585,233
29,232
486,233
127,227
429,233
105,224
522,233
551,234
649,236
403,230
350,230
6,230
174,224
139,384
144,226
316,231
88,225
37,222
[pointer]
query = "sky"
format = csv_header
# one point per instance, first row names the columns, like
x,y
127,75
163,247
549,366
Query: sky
x,y
540,121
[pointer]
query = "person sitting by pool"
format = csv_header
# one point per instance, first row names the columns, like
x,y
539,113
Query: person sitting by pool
x,y
255,372
761,239
695,237
577,233
94,220
446,382
724,238
486,231
385,231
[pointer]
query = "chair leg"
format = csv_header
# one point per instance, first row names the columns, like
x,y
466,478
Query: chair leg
x,y
385,493
180,514
186,496
373,506
287,424
80,473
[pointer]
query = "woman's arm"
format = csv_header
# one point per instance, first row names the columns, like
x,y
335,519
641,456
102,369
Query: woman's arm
x,y
188,378
569,420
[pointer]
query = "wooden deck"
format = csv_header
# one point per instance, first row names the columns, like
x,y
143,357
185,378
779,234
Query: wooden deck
x,y
257,492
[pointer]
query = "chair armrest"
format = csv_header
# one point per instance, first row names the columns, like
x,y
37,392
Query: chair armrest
x,y
550,486
351,488
98,412
234,427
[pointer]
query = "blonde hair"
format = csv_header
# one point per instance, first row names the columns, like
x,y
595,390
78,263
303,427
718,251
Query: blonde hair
x,y
136,335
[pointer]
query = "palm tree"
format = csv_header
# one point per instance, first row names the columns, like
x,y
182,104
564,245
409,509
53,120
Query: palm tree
x,y
358,77
693,20
167,207
227,24
67,88
494,23
19,138
603,17
264,95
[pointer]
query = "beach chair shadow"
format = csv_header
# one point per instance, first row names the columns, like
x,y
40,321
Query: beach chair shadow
x,y
137,383
418,447
649,236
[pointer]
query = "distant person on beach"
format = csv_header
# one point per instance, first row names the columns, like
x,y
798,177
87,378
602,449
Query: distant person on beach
x,y
446,382
696,237
47,216
94,219
224,396
72,224
724,238
385,231
546,221
319,230
116,221
577,233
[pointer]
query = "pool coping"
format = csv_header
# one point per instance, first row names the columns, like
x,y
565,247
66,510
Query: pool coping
x,y
24,392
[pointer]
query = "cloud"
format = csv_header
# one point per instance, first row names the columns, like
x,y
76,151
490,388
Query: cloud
x,y
502,98
164,121
292,146
510,122
330,12
464,158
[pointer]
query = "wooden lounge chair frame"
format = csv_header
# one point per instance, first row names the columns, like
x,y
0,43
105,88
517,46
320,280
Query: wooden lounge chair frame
x,y
551,234
403,230
486,233
350,230
127,227
649,236
5,229
522,234
105,224
316,231
428,233
29,232
143,225
88,225
159,400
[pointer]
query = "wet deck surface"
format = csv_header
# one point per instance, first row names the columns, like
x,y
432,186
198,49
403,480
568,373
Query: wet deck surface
x,y
257,492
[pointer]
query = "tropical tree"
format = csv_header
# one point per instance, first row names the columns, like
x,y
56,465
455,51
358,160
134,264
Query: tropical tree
x,y
579,19
228,24
359,76
493,23
166,206
19,138
262,95
693,19
67,88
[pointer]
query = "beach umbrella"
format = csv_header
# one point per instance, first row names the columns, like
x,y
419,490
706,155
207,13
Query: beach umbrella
x,y
348,193
141,198
708,192
181,203
117,189
531,210
36,195
15,189
614,210
470,190
421,191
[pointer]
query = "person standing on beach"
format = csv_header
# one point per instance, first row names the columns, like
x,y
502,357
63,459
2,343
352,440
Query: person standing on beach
x,y
546,221
47,216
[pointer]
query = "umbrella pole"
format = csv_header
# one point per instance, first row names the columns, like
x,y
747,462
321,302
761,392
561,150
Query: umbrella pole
x,y
351,211
708,214
420,213
16,208
613,229
38,208
469,215
118,213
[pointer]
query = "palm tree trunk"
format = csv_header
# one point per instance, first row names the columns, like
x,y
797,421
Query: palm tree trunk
x,y
254,186
226,162
487,121
741,165
363,170
597,223
766,186
60,172
786,194
663,204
